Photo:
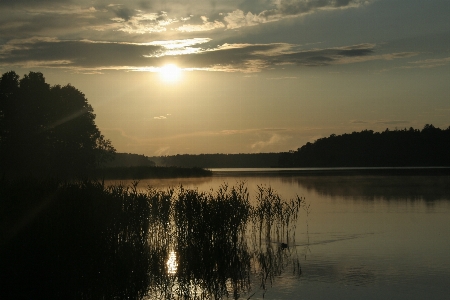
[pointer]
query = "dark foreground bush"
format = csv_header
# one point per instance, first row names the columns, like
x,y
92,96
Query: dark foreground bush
x,y
73,241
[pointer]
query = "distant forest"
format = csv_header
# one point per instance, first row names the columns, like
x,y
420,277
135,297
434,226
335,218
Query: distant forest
x,y
390,148
128,160
256,160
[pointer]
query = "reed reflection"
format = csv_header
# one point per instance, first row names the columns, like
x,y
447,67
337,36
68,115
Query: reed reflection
x,y
220,242
172,264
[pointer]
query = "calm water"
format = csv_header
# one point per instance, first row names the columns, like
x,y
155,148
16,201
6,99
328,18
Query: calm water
x,y
364,237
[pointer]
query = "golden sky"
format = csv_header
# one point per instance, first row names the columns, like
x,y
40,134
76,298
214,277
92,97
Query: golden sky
x,y
174,77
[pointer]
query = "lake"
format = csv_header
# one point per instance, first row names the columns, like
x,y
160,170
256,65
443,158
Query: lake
x,y
362,237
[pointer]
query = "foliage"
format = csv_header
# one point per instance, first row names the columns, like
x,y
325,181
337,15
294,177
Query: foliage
x,y
397,148
47,130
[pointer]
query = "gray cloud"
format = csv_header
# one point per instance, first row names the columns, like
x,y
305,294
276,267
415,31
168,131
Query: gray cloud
x,y
432,62
84,19
134,56
254,58
249,5
322,57
296,7
123,13
289,8
54,20
32,3
75,54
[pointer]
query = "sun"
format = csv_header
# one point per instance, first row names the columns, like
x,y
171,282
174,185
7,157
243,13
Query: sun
x,y
170,73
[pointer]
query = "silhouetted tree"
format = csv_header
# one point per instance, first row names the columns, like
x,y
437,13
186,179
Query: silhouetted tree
x,y
47,130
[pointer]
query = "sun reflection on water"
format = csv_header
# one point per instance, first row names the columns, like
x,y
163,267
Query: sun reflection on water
x,y
172,264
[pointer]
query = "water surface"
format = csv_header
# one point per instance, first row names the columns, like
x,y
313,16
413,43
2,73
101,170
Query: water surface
x,y
362,237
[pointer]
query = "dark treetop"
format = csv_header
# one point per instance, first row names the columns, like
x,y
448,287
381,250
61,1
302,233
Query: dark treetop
x,y
47,130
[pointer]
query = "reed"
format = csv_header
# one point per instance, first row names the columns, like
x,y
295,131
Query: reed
x,y
273,232
88,241
210,240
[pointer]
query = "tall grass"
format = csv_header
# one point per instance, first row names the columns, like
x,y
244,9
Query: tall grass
x,y
273,234
88,241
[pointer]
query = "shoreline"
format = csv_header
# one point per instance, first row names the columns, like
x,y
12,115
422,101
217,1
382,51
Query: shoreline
x,y
355,171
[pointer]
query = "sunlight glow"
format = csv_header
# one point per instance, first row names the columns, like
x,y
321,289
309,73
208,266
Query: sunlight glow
x,y
172,264
170,73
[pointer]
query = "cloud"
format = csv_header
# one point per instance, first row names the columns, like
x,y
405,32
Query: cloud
x,y
257,57
120,138
392,122
145,23
177,44
205,26
238,19
162,151
89,55
51,52
273,140
31,3
86,19
178,47
286,9
230,132
123,13
64,18
298,7
432,63
358,122
283,78
249,131
126,142
48,18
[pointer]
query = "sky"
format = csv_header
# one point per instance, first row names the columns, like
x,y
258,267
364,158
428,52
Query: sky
x,y
170,77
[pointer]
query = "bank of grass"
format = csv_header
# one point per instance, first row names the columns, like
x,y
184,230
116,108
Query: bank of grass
x,y
86,241
143,172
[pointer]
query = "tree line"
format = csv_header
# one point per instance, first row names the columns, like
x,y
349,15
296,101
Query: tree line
x,y
128,160
47,131
390,148
218,160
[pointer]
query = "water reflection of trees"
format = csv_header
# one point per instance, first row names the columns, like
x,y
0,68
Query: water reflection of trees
x,y
428,188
